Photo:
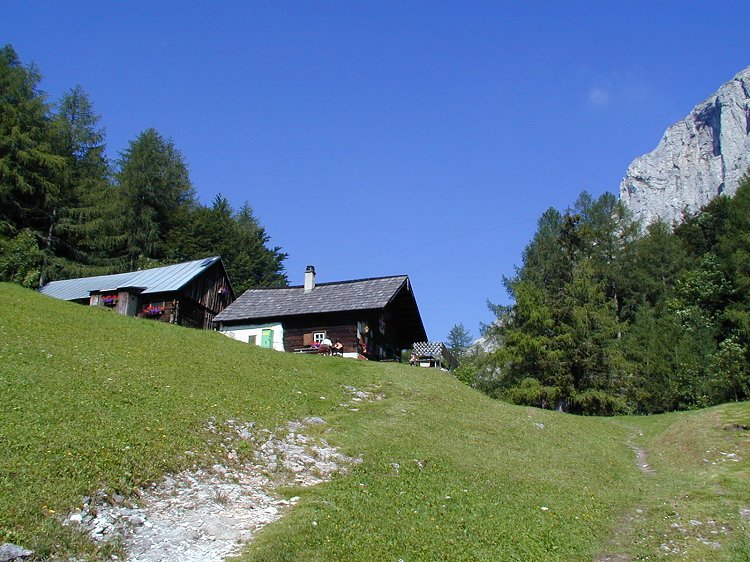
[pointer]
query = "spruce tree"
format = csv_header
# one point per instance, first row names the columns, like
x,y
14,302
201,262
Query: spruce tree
x,y
157,197
238,238
85,230
459,340
29,165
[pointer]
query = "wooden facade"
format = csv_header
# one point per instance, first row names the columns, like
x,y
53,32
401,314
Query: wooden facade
x,y
299,329
188,294
373,318
363,333
196,304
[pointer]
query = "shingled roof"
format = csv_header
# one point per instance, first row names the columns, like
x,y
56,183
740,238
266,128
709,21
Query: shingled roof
x,y
362,294
156,280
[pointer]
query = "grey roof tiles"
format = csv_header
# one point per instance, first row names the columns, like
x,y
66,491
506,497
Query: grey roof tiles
x,y
363,294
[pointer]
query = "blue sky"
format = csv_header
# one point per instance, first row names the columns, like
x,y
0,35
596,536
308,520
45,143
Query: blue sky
x,y
382,138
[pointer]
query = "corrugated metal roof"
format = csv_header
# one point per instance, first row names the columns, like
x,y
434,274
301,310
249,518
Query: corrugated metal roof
x,y
156,280
361,294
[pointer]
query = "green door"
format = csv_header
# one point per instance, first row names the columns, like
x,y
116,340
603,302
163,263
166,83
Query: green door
x,y
266,339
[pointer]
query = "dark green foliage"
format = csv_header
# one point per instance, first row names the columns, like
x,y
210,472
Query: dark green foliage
x,y
64,212
89,225
615,322
157,196
238,238
28,165
651,266
530,392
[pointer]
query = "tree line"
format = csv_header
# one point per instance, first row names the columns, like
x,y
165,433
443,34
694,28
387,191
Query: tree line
x,y
67,211
608,318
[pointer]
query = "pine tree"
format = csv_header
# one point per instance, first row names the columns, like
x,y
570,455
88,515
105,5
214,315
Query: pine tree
x,y
157,196
29,166
85,230
459,339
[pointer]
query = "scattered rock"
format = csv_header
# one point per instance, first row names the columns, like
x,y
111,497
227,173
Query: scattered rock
x,y
642,459
357,395
207,515
12,552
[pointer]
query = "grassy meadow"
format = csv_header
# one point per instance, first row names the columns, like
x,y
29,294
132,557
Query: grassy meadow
x,y
91,400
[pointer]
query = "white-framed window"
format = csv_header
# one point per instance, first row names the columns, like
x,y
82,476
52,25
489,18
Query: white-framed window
x,y
318,337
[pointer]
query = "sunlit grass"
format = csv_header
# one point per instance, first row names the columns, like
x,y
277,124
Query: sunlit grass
x,y
90,400
702,485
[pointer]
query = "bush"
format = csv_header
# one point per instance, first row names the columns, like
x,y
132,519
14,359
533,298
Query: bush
x,y
597,403
466,373
21,260
530,392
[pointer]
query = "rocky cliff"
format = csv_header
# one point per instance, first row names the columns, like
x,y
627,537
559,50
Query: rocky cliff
x,y
699,157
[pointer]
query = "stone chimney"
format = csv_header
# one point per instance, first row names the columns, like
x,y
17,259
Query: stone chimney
x,y
309,278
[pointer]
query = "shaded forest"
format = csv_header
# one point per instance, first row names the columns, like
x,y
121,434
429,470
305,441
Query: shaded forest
x,y
67,211
608,318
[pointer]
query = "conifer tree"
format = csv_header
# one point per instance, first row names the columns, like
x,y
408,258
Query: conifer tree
x,y
238,238
459,339
29,165
258,265
85,230
157,196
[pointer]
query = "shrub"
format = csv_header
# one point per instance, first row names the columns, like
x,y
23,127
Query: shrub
x,y
530,392
21,260
597,403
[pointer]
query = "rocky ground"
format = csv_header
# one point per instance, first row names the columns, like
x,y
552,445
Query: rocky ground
x,y
206,515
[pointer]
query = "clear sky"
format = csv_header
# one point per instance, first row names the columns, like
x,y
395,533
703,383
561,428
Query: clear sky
x,y
381,138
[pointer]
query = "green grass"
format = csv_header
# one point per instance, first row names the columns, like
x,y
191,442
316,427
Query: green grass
x,y
92,400
702,484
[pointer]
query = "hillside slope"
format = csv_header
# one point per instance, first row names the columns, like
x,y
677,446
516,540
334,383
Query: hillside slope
x,y
93,401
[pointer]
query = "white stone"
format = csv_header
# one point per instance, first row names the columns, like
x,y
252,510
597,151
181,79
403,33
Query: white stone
x,y
703,155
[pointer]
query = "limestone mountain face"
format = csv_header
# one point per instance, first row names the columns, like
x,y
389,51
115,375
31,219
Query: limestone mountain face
x,y
698,158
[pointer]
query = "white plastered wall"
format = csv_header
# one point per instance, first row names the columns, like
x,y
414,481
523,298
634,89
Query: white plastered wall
x,y
244,334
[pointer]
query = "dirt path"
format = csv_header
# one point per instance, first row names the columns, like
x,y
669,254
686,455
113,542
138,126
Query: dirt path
x,y
622,533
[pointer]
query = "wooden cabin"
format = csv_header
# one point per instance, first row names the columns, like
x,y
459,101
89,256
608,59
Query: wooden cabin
x,y
189,293
433,354
372,318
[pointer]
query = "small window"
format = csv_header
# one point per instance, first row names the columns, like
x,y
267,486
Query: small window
x,y
318,337
252,340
